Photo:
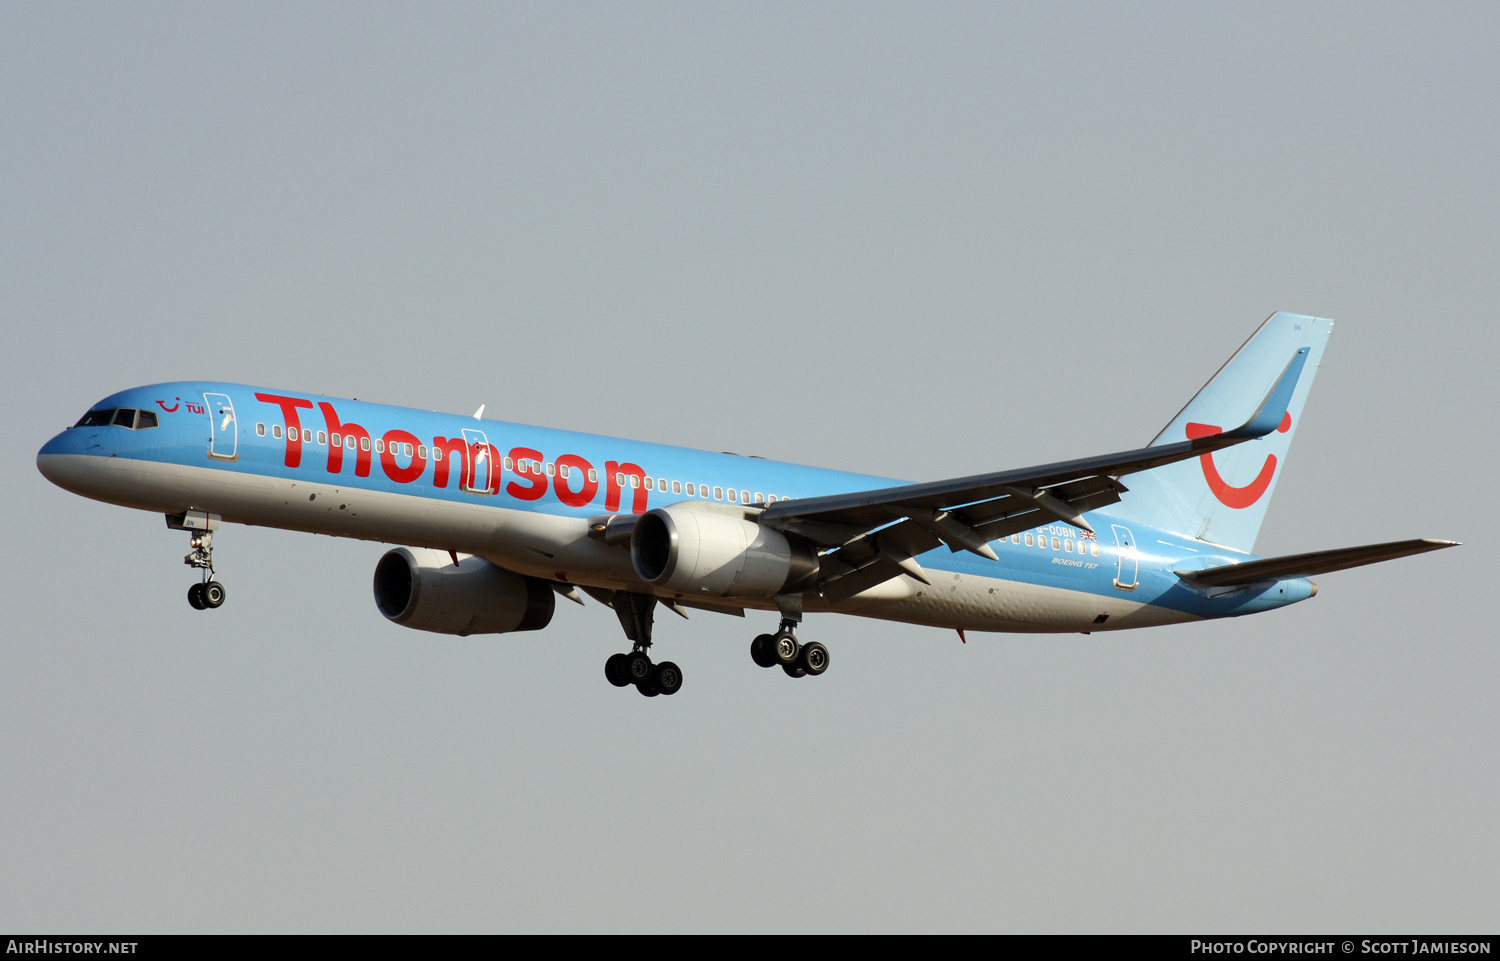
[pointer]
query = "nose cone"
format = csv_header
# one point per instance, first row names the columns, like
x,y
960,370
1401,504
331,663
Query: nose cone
x,y
64,462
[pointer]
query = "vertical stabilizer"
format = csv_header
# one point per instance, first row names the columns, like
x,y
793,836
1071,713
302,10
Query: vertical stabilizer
x,y
1222,497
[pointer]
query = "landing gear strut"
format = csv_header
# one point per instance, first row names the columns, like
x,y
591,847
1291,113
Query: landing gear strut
x,y
784,650
209,593
635,612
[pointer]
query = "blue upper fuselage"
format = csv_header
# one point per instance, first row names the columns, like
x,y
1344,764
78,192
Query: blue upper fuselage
x,y
248,430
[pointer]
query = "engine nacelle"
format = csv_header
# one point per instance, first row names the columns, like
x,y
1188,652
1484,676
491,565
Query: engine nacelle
x,y
697,552
423,589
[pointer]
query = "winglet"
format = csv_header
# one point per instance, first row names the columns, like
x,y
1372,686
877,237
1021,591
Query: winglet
x,y
1273,409
479,414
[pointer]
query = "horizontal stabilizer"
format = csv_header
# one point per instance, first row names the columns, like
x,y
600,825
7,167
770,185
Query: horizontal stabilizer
x,y
1306,565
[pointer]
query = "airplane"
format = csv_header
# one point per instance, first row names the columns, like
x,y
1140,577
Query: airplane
x,y
496,520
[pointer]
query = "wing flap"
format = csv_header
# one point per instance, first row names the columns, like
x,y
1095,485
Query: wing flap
x,y
876,572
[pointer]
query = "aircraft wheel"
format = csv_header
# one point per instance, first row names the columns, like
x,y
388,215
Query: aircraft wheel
x,y
614,670
637,667
649,687
668,677
784,648
212,594
195,597
814,658
794,670
761,651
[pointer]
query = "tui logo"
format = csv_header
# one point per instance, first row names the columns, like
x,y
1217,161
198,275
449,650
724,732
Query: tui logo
x,y
1230,496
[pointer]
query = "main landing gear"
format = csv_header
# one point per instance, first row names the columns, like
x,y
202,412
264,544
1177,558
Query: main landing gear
x,y
783,650
208,594
635,612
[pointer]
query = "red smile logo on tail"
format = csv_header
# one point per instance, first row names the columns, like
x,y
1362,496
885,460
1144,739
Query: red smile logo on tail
x,y
1229,495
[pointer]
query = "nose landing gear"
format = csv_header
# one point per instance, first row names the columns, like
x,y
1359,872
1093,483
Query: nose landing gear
x,y
208,594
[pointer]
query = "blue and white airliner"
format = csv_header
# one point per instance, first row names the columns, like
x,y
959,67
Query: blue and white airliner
x,y
499,519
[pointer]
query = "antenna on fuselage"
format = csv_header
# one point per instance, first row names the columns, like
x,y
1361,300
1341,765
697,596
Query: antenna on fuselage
x,y
479,413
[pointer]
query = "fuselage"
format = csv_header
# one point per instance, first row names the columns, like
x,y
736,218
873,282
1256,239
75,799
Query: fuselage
x,y
522,497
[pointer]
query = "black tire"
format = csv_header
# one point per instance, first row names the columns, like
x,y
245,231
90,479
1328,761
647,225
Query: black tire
x,y
761,653
637,667
195,597
668,677
813,659
212,594
614,670
784,648
649,687
794,670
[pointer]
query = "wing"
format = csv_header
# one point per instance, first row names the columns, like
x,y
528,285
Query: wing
x,y
1305,565
868,537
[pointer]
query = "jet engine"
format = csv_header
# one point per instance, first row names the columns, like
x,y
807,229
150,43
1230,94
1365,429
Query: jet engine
x,y
695,552
425,590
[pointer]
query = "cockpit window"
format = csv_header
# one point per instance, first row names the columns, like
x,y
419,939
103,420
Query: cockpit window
x,y
96,418
120,417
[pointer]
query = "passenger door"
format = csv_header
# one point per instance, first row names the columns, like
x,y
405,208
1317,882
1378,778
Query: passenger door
x,y
480,455
1126,576
224,429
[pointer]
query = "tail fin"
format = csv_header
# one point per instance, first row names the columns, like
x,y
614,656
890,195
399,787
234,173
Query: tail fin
x,y
1222,497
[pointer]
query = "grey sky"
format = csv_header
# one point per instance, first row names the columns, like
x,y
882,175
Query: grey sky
x,y
918,241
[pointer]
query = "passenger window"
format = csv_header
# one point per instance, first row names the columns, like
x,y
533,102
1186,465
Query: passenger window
x,y
306,436
1094,549
650,484
145,420
338,440
364,443
276,431
692,489
125,417
1067,545
380,445
437,453
593,476
635,481
733,496
677,487
422,451
260,430
760,498
771,499
1029,540
718,493
322,438
1015,538
1055,545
